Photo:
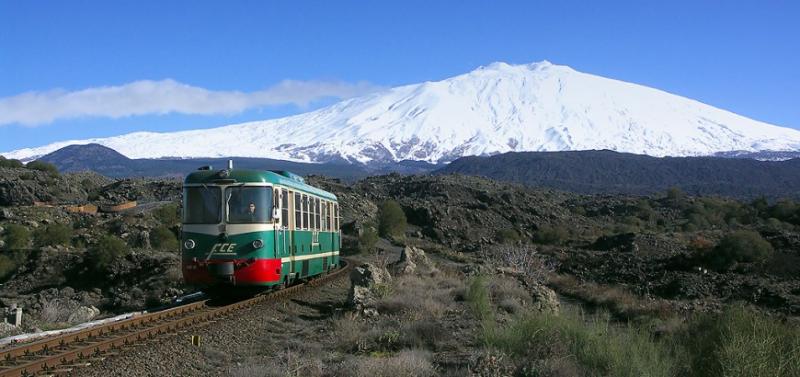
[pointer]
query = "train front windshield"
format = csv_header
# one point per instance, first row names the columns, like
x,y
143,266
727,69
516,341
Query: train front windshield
x,y
201,205
248,205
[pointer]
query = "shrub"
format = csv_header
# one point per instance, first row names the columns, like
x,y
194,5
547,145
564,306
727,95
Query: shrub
x,y
43,166
7,266
17,237
786,210
164,239
105,251
367,239
53,234
739,246
391,219
595,344
508,236
10,163
551,235
477,297
168,214
740,342
676,198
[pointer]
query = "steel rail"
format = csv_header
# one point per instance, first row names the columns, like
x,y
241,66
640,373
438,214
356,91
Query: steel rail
x,y
50,353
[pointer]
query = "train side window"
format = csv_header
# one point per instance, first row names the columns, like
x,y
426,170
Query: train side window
x,y
330,216
316,212
284,208
312,224
324,216
336,216
298,215
305,212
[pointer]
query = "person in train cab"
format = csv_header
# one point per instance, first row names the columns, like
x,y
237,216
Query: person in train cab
x,y
251,212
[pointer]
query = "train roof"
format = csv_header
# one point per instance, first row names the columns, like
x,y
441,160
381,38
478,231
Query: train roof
x,y
282,178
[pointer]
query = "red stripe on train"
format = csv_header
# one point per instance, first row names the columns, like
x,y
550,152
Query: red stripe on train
x,y
246,271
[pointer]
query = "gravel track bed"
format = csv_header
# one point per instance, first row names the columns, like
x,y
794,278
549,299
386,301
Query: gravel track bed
x,y
231,345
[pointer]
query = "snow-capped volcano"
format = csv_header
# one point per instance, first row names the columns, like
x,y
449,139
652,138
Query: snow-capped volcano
x,y
493,109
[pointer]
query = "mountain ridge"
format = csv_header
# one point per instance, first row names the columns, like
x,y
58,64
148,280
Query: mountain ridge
x,y
493,109
609,172
589,172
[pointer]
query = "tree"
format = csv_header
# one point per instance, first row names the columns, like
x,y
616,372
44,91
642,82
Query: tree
x,y
739,246
508,235
43,166
17,237
105,251
367,239
10,163
391,219
168,214
551,235
164,239
53,234
676,198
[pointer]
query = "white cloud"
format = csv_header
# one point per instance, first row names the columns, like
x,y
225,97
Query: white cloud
x,y
162,97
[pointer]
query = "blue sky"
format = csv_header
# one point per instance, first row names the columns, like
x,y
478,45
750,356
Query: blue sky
x,y
739,56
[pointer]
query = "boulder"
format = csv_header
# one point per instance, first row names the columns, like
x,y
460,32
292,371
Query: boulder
x,y
83,314
544,298
365,282
411,258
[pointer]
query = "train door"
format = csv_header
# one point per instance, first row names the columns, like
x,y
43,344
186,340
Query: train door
x,y
331,228
294,242
283,226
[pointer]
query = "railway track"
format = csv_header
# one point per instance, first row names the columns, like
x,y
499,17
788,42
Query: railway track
x,y
60,355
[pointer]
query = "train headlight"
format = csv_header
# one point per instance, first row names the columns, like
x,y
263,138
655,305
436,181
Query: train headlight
x,y
257,244
189,244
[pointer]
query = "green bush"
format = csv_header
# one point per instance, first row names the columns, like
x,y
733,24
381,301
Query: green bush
x,y
477,296
597,346
551,235
17,237
391,219
168,214
43,166
740,342
676,198
740,246
786,210
53,234
10,163
508,236
164,239
7,266
105,251
367,239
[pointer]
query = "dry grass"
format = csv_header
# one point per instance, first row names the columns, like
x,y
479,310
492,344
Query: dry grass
x,y
419,297
508,294
407,363
618,301
284,364
54,312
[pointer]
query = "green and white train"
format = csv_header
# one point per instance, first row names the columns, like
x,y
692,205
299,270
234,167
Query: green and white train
x,y
256,228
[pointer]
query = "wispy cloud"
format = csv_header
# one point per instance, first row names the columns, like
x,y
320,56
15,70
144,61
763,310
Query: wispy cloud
x,y
162,97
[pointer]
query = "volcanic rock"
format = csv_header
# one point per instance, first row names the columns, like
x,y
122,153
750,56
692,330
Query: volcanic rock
x,y
365,281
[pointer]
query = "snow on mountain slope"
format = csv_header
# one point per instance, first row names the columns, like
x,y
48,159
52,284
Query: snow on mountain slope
x,y
493,109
